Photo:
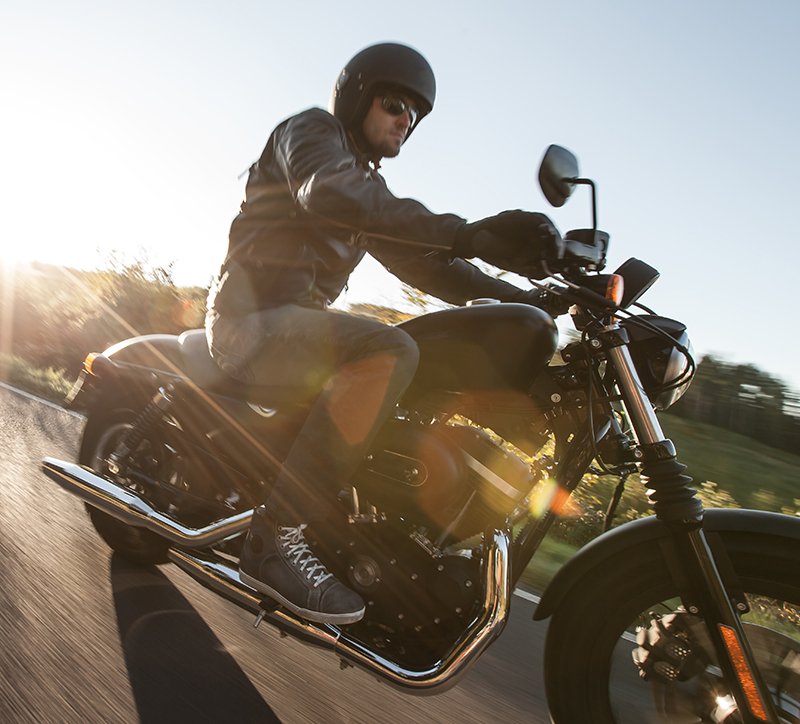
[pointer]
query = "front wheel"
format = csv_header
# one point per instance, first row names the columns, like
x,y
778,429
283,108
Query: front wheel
x,y
590,671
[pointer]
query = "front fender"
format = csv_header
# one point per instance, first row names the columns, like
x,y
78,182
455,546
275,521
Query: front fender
x,y
626,538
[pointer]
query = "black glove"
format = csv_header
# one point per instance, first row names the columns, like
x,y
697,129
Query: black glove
x,y
518,241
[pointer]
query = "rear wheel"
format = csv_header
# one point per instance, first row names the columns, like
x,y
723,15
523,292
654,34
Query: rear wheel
x,y
137,545
590,672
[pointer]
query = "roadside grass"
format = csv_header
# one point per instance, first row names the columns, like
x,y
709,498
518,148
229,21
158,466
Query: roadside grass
x,y
552,554
754,474
49,382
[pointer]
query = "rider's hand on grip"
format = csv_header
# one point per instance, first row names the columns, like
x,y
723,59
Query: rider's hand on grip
x,y
517,241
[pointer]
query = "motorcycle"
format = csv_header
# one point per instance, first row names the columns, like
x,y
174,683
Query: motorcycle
x,y
686,615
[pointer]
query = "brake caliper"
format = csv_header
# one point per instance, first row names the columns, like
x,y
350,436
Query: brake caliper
x,y
672,648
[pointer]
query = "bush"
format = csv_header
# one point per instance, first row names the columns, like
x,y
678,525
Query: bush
x,y
58,315
48,382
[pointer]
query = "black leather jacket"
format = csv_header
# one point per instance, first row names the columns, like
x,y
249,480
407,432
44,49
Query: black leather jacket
x,y
313,205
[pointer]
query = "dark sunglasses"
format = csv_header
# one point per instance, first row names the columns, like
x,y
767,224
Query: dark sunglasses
x,y
396,106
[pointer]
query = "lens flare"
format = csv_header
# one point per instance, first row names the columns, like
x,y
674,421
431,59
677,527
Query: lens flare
x,y
549,496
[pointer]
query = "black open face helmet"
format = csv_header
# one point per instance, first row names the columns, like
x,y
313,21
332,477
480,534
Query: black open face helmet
x,y
378,67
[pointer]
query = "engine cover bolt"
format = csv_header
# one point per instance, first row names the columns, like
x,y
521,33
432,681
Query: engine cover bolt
x,y
458,609
555,397
468,584
440,568
694,610
414,576
741,606
400,616
596,343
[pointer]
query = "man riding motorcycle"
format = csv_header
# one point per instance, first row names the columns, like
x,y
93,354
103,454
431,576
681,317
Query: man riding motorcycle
x,y
314,205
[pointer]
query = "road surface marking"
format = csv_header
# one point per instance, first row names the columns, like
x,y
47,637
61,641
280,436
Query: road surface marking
x,y
40,399
533,598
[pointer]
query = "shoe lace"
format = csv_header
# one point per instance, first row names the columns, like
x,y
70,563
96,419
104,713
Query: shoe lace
x,y
297,550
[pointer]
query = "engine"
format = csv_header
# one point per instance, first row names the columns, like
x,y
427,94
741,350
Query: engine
x,y
451,481
433,486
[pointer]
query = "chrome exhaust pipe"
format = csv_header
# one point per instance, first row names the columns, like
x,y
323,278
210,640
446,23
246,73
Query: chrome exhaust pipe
x,y
134,510
222,576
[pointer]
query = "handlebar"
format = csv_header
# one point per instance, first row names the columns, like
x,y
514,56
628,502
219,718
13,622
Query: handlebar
x,y
589,289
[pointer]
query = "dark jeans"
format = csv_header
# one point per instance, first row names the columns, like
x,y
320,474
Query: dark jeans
x,y
357,369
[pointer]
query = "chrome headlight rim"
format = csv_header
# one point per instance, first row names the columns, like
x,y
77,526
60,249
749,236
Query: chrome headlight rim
x,y
675,368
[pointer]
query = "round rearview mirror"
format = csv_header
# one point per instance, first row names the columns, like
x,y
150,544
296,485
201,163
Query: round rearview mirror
x,y
559,166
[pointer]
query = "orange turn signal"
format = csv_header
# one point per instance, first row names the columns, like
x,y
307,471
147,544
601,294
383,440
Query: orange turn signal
x,y
743,672
615,288
89,361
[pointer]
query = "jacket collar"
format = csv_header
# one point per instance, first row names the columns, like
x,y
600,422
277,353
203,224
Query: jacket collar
x,y
357,146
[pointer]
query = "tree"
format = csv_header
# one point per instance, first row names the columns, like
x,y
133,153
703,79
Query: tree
x,y
744,399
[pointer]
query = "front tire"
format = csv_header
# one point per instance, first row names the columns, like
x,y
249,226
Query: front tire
x,y
136,545
590,675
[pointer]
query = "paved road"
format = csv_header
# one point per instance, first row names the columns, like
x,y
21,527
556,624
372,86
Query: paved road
x,y
84,637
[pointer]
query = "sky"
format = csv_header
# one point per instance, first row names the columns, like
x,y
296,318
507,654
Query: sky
x,y
125,128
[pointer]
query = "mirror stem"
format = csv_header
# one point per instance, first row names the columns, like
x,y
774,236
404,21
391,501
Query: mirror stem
x,y
590,183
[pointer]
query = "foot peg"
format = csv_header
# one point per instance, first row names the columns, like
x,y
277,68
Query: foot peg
x,y
266,607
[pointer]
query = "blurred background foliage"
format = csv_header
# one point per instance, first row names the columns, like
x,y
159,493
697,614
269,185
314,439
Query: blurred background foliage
x,y
52,317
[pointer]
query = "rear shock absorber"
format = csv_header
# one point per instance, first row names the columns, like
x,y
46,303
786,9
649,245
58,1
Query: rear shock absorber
x,y
130,441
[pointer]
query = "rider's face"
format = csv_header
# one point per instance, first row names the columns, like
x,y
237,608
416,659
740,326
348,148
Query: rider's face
x,y
384,132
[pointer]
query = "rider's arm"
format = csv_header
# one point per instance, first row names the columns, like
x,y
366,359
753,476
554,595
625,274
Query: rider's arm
x,y
326,180
453,280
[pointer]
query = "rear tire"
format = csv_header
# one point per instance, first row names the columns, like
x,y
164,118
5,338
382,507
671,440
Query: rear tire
x,y
589,674
136,545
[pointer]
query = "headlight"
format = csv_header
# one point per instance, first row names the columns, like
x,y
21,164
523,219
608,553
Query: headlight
x,y
675,368
658,361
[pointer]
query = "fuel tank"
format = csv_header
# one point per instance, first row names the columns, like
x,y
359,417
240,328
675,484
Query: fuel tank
x,y
482,347
478,348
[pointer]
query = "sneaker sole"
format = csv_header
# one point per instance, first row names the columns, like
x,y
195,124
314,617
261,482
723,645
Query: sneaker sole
x,y
305,613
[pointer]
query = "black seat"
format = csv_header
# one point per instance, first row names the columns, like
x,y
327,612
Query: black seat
x,y
206,374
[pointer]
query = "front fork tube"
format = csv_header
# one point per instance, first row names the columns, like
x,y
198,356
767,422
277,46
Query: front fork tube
x,y
704,595
677,505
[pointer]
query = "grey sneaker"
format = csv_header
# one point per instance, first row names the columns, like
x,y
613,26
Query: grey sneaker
x,y
277,562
